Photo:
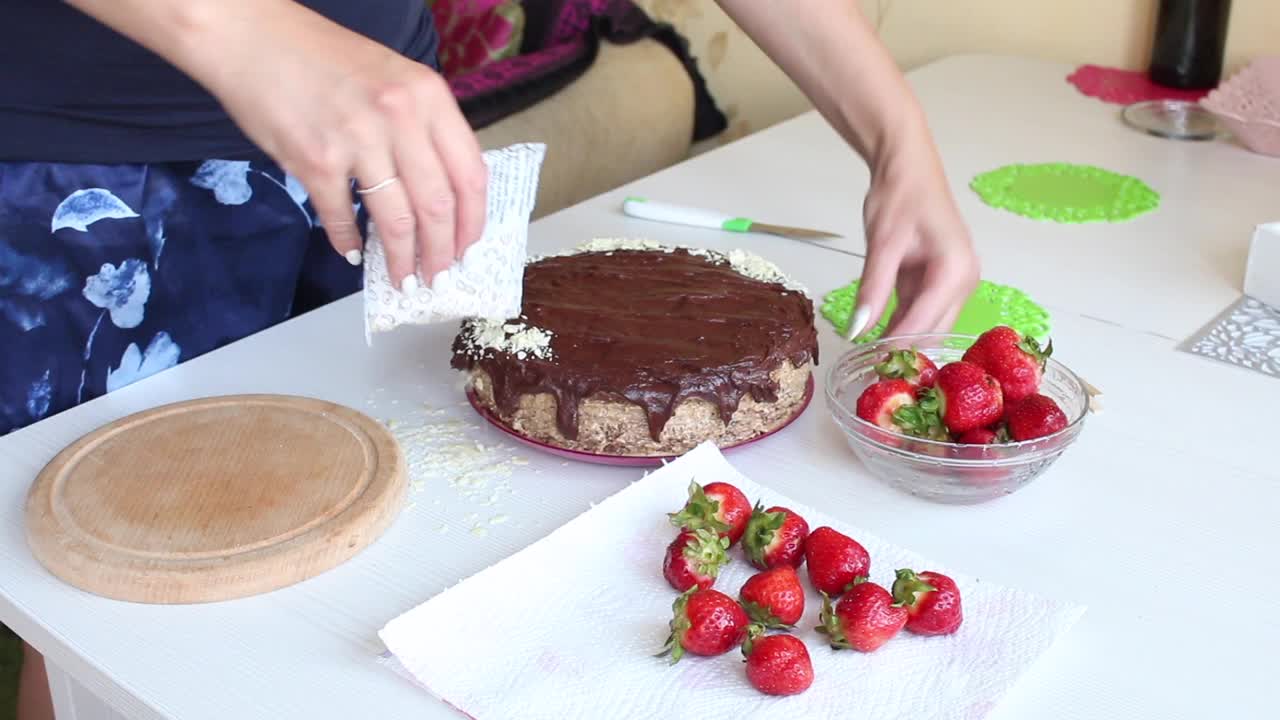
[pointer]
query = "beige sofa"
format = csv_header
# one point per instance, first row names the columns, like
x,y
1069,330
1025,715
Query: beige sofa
x,y
629,115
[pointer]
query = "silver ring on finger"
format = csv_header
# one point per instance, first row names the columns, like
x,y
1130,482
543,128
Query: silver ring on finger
x,y
378,186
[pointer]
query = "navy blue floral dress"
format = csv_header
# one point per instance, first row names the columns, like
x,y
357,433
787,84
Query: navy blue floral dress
x,y
111,273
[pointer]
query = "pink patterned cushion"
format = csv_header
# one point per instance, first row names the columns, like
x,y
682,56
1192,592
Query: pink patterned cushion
x,y
474,33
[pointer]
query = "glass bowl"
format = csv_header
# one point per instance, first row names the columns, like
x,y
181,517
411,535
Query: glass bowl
x,y
942,471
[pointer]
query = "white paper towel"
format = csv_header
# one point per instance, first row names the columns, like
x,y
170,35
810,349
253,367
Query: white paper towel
x,y
489,281
568,627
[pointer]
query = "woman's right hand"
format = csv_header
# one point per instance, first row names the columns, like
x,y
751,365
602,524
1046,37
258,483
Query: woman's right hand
x,y
330,105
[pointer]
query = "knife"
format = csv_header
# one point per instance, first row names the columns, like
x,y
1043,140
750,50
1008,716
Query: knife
x,y
698,217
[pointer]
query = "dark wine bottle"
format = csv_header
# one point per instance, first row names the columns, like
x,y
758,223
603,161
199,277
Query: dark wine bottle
x,y
1190,41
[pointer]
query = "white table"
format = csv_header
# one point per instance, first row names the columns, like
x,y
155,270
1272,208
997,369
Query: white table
x,y
1167,272
1161,519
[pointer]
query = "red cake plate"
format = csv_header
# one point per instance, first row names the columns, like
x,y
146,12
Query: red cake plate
x,y
621,460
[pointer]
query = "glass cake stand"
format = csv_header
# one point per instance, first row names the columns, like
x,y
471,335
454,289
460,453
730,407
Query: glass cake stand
x,y
1173,119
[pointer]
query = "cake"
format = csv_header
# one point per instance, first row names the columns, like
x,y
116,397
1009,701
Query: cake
x,y
631,348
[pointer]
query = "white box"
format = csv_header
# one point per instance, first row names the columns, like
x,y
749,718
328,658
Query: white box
x,y
1262,273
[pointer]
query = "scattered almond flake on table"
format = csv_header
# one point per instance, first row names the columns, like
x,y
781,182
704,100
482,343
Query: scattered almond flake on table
x,y
499,519
442,448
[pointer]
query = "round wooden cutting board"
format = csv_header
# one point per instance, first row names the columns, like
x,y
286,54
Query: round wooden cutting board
x,y
215,498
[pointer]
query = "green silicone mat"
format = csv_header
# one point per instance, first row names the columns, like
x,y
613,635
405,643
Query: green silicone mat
x,y
1065,193
989,305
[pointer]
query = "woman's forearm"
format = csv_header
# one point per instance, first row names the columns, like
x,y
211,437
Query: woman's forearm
x,y
830,50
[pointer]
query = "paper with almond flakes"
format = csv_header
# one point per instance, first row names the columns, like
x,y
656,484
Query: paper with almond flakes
x,y
591,608
488,282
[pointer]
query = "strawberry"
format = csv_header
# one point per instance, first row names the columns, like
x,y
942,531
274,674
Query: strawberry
x,y
880,400
835,560
964,396
891,405
1035,416
865,618
777,664
977,436
719,506
932,601
1014,360
774,598
911,365
984,436
775,537
694,558
704,622
978,445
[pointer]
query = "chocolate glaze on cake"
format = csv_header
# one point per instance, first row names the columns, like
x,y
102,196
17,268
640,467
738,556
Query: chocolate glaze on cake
x,y
651,327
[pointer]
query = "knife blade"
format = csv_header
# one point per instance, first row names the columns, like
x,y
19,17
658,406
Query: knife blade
x,y
642,208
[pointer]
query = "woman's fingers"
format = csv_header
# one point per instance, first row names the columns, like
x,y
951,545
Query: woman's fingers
x,y
948,321
463,162
944,288
432,199
331,197
386,198
876,286
441,170
428,195
924,313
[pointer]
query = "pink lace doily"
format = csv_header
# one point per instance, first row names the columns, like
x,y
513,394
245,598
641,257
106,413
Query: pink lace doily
x,y
1125,87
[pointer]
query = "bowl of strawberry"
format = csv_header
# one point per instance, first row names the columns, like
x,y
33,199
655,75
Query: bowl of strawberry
x,y
957,418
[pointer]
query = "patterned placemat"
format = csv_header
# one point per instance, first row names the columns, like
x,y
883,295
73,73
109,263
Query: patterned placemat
x,y
1125,87
1065,193
989,305
1246,334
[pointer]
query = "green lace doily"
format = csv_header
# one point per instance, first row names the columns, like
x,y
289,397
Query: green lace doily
x,y
1065,193
989,305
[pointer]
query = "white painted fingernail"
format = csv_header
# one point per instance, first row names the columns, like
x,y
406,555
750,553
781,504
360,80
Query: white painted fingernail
x,y
470,254
353,256
441,280
409,285
859,321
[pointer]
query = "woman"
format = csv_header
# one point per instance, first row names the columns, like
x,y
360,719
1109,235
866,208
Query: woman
x,y
178,174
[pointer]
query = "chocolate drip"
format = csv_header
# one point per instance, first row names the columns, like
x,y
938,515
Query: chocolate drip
x,y
652,328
